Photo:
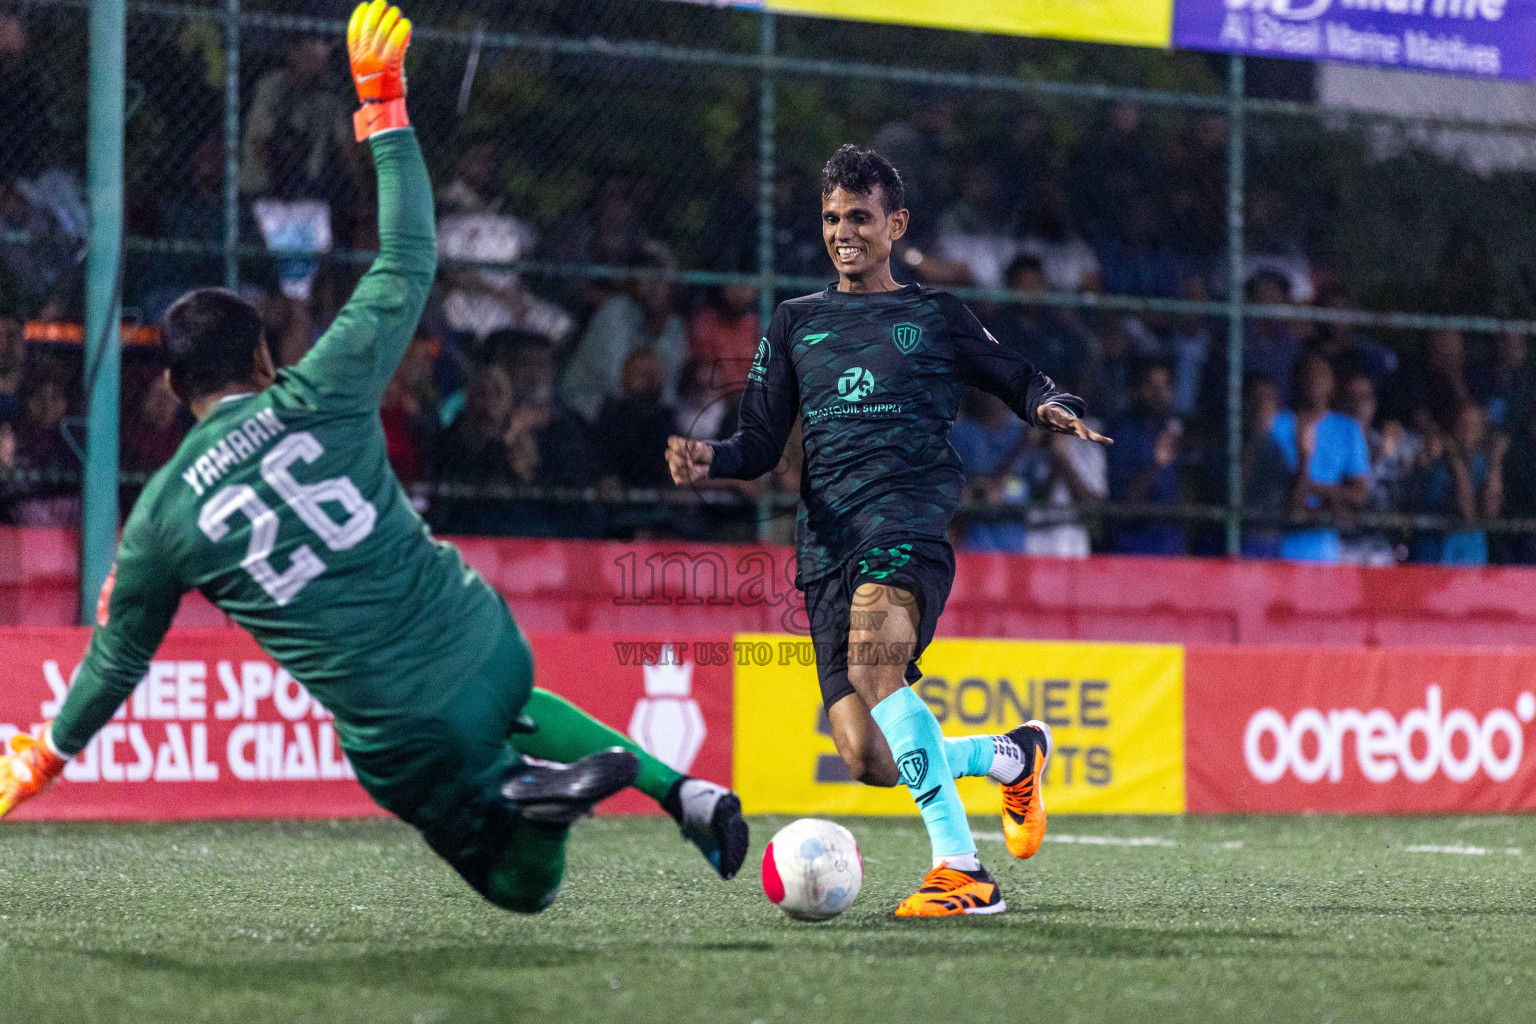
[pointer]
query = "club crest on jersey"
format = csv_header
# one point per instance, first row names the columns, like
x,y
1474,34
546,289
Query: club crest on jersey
x,y
906,336
855,384
913,766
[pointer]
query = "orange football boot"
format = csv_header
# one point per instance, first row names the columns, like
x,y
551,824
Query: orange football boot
x,y
1023,803
949,892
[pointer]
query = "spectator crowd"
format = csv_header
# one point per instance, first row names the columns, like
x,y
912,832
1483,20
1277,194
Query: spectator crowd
x,y
531,406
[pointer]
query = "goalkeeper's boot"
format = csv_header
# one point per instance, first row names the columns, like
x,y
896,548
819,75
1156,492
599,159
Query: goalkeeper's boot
x,y
1023,803
561,793
950,892
29,769
710,817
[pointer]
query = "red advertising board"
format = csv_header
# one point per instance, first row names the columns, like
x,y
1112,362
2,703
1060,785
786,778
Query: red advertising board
x,y
674,699
1396,731
218,730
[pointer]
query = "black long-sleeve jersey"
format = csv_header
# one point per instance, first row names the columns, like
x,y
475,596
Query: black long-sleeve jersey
x,y
879,379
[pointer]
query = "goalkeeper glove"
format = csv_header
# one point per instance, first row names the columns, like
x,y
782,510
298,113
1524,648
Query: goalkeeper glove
x,y
377,37
29,769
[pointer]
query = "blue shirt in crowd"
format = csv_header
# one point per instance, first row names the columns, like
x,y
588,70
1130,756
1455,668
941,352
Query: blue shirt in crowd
x,y
1338,454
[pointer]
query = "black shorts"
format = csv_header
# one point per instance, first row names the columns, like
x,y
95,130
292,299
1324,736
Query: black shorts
x,y
923,567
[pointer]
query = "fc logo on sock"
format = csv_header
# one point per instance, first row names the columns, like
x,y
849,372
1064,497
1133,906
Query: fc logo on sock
x,y
914,767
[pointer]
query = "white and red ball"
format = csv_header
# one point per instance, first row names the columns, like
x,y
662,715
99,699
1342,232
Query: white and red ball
x,y
812,869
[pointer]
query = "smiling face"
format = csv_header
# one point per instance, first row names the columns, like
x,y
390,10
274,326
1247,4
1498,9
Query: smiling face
x,y
859,233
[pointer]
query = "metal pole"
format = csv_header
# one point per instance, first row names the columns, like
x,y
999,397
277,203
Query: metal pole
x,y
765,152
1235,158
231,143
103,297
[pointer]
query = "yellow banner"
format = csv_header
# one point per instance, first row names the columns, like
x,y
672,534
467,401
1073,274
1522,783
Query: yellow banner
x,y
1116,711
1134,22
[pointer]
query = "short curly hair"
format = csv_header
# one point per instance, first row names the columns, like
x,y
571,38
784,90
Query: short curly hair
x,y
860,171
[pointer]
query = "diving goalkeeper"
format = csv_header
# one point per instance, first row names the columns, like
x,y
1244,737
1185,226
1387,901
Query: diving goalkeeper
x,y
281,507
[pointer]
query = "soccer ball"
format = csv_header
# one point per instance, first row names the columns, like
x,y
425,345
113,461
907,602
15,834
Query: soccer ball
x,y
812,869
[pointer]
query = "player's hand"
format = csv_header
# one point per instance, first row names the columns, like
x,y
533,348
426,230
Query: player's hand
x,y
377,37
29,769
1063,422
688,459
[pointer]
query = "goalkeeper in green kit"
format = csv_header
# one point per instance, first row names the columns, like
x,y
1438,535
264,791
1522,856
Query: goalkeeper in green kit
x,y
281,508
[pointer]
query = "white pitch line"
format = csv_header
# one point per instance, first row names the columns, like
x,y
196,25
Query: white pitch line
x,y
1091,840
1470,851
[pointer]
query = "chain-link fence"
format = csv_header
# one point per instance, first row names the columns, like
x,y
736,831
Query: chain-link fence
x,y
1307,323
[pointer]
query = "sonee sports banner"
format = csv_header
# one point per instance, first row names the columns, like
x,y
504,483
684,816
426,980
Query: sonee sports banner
x,y
1116,711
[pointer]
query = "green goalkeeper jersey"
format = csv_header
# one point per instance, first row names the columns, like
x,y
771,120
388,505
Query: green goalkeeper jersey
x,y
281,508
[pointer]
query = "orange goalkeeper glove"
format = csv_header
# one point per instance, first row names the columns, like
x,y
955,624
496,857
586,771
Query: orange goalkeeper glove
x,y
377,37
29,769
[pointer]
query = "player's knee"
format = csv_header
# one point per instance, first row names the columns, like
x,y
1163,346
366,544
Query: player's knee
x,y
864,681
527,874
874,680
519,895
524,886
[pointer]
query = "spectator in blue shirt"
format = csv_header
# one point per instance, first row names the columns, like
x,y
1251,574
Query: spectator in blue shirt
x,y
1143,463
1327,452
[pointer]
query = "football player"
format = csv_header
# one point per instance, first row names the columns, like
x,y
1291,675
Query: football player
x,y
876,371
281,507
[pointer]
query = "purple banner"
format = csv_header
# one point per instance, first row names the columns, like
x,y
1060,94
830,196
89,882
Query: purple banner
x,y
1485,38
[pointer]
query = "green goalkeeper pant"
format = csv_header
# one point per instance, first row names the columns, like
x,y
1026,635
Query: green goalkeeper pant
x,y
445,772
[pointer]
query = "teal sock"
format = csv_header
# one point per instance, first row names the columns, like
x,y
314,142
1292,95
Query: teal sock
x,y
918,747
969,756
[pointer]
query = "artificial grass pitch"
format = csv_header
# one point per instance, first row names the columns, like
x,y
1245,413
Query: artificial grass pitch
x,y
1131,919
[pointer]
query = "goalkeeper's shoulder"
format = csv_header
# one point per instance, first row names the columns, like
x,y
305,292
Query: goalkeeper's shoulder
x,y
174,490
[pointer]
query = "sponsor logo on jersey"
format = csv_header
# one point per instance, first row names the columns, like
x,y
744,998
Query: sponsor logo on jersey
x,y
856,384
907,337
845,411
811,339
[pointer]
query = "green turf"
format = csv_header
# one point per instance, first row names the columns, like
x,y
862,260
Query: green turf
x,y
1275,919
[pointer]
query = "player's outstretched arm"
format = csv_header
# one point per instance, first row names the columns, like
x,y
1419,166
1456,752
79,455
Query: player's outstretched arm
x,y
132,616
767,415
355,359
